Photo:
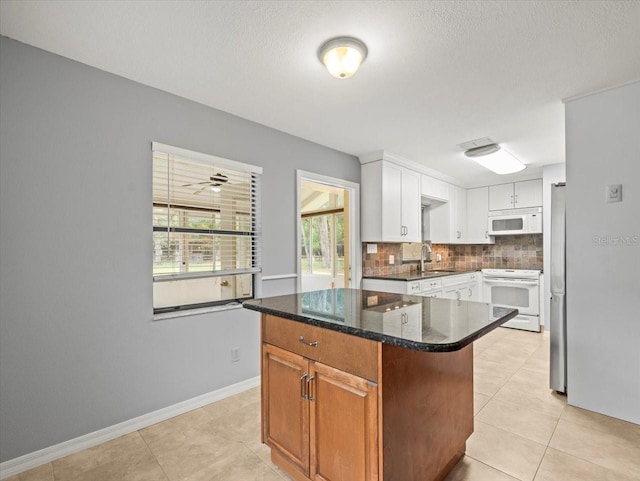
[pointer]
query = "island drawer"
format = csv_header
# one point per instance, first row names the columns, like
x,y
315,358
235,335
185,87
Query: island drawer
x,y
348,353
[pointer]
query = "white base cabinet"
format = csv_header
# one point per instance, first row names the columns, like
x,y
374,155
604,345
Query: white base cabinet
x,y
464,287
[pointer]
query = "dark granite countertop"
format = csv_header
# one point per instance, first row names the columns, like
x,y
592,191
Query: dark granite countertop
x,y
416,276
413,322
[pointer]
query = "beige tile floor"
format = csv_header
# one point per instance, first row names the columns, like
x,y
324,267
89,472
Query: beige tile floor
x,y
523,431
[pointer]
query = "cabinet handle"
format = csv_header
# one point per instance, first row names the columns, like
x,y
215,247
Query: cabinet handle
x,y
404,318
304,341
309,396
486,234
470,293
516,201
303,384
458,296
458,234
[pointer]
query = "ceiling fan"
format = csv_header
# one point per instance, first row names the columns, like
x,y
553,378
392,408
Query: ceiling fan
x,y
214,182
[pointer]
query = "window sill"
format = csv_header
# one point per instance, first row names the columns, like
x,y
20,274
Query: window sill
x,y
195,312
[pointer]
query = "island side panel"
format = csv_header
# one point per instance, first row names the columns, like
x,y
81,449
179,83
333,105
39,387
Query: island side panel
x,y
427,403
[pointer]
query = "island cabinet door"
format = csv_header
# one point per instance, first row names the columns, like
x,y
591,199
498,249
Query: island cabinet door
x,y
344,426
285,409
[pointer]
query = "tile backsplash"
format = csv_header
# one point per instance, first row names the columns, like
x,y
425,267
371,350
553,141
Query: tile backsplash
x,y
509,252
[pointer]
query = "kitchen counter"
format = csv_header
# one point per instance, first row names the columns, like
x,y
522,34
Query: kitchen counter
x,y
416,276
428,324
368,386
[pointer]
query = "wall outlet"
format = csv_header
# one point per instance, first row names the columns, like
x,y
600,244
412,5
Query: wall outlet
x,y
235,354
392,260
438,257
372,248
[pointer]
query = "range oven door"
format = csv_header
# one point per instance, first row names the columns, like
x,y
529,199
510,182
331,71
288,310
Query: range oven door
x,y
521,294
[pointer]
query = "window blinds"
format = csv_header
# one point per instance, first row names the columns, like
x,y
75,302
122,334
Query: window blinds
x,y
206,219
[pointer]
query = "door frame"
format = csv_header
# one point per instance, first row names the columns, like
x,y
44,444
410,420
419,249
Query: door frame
x,y
355,250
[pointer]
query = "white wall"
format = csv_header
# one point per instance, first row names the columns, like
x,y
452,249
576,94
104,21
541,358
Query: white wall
x,y
79,350
551,174
603,274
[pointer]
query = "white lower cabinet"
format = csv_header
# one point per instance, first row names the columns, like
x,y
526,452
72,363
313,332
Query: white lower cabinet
x,y
465,287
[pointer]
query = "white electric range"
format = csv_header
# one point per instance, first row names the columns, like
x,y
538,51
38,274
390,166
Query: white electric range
x,y
517,289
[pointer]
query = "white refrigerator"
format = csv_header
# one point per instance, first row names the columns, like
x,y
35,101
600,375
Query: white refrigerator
x,y
557,279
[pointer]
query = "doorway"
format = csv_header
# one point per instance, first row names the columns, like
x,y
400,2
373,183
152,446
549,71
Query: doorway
x,y
328,233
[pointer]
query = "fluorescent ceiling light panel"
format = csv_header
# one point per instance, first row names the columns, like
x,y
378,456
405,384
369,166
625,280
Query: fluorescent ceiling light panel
x,y
496,159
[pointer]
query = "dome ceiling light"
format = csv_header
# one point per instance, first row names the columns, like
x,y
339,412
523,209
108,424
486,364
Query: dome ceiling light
x,y
495,158
342,56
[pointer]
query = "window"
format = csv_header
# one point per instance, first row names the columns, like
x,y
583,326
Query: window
x,y
206,231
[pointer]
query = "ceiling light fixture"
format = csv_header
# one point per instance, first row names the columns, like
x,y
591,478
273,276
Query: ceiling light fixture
x,y
342,56
495,158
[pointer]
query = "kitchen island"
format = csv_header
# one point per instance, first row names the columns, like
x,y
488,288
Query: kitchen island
x,y
369,386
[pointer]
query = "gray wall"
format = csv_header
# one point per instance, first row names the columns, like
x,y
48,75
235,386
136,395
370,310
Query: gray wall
x,y
78,348
603,282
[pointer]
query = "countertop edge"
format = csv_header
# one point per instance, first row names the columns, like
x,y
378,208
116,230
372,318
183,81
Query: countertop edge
x,y
390,340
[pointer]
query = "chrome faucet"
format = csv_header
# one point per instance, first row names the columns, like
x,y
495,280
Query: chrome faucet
x,y
425,255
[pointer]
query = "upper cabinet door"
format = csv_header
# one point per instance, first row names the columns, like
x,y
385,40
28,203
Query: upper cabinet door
x,y
411,209
528,193
457,214
477,213
392,200
501,197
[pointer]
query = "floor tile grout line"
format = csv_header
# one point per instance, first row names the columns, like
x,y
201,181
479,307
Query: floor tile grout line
x,y
513,434
493,467
154,454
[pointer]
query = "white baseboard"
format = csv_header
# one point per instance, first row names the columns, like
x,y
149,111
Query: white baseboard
x,y
57,451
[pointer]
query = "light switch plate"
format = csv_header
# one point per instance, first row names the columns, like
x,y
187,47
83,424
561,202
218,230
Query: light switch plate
x,y
372,248
614,193
392,260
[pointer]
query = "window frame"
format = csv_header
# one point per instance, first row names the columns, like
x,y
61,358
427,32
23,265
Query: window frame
x,y
254,232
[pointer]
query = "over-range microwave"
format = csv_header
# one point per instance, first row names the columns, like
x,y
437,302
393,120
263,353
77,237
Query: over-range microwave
x,y
515,221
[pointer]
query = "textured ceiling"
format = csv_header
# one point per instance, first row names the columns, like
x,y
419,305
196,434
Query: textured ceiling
x,y
437,74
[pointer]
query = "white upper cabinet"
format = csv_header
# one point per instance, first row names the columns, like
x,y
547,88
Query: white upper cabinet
x,y
411,210
390,203
516,195
458,226
477,213
448,220
528,193
434,188
501,197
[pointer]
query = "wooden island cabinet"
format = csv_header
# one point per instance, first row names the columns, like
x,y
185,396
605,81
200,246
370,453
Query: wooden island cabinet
x,y
344,401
